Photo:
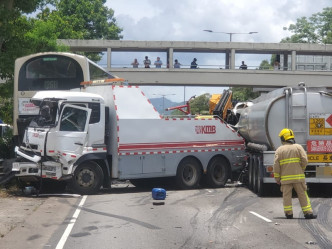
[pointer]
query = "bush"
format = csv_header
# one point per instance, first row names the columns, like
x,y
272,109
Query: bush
x,y
6,145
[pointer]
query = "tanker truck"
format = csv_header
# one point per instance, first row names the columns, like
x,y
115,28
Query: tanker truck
x,y
308,112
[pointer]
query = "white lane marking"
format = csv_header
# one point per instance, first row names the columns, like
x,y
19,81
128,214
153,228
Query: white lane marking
x,y
71,224
260,216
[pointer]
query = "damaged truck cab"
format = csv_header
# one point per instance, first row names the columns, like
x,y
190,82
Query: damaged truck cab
x,y
57,140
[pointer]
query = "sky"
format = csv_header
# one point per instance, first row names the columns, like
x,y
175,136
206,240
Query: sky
x,y
185,20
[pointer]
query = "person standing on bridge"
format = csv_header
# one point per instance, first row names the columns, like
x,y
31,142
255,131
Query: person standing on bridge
x,y
193,64
135,63
290,161
177,64
147,62
158,63
243,66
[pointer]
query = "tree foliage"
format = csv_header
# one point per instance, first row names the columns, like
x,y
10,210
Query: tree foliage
x,y
84,19
243,93
314,29
66,19
13,26
21,34
200,104
6,145
265,65
91,19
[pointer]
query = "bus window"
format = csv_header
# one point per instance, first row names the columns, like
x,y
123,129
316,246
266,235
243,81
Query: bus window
x,y
96,73
50,73
50,67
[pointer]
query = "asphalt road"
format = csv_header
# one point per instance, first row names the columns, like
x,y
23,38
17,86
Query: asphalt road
x,y
127,217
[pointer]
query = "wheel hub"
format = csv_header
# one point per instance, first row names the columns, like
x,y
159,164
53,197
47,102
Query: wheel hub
x,y
86,178
188,174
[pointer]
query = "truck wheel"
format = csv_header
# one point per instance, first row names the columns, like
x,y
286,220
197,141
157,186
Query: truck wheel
x,y
87,178
255,175
217,172
250,174
188,173
263,189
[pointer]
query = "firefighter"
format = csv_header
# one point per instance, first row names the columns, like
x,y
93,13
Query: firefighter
x,y
290,162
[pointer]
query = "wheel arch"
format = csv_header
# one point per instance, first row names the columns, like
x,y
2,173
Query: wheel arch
x,y
192,157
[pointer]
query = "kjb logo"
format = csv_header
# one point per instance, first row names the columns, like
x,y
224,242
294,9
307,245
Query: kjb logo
x,y
205,129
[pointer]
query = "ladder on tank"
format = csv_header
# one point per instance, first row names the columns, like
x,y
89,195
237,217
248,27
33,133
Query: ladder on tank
x,y
298,114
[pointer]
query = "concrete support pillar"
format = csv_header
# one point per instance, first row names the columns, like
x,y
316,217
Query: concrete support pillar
x,y
293,60
227,59
170,57
109,50
232,59
285,62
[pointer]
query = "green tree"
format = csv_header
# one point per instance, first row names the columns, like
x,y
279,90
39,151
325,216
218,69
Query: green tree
x,y
13,26
265,65
315,29
200,104
243,93
6,145
6,102
91,18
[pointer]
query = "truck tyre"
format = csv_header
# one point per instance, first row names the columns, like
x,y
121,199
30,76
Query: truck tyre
x,y
250,174
260,185
263,189
217,172
87,178
254,174
188,174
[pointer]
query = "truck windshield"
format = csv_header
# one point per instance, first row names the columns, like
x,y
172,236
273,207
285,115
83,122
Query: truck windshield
x,y
73,119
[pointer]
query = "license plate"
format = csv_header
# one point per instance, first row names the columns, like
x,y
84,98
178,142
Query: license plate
x,y
50,173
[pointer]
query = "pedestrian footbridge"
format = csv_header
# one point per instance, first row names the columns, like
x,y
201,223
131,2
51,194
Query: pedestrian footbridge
x,y
288,75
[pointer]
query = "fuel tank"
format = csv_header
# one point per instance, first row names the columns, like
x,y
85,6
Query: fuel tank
x,y
304,110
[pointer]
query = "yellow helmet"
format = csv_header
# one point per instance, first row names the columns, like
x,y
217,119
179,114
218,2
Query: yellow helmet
x,y
286,134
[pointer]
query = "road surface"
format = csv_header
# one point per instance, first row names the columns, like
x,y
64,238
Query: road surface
x,y
127,217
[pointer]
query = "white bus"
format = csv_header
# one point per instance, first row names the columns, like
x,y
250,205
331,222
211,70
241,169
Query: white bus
x,y
48,71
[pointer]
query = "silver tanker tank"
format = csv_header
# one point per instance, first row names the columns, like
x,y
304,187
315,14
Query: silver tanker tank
x,y
300,108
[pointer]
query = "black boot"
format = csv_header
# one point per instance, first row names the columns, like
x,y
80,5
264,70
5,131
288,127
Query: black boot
x,y
289,216
310,216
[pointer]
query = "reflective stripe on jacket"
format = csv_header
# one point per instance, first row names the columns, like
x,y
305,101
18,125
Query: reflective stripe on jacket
x,y
290,161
